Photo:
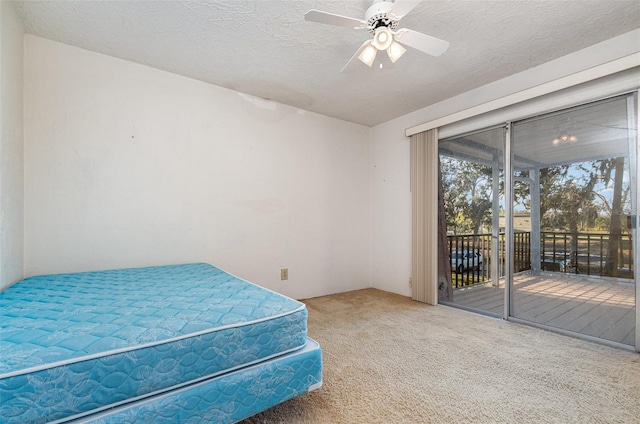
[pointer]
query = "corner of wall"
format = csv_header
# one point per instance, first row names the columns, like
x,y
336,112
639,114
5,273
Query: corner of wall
x,y
371,164
11,147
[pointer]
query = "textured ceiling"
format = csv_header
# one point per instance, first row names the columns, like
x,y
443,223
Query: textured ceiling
x,y
265,47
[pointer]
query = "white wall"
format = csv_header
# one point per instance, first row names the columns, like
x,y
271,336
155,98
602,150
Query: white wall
x,y
391,198
127,165
391,211
11,147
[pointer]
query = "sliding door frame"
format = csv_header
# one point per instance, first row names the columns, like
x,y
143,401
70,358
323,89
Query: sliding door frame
x,y
633,122
508,224
633,113
495,243
633,105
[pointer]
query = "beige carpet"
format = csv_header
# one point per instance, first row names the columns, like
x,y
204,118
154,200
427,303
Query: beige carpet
x,y
388,359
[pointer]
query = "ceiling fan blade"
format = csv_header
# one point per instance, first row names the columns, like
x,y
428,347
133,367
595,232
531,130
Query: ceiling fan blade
x,y
355,56
423,42
332,19
402,7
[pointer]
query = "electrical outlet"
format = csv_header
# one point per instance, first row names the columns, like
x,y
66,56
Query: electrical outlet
x,y
284,274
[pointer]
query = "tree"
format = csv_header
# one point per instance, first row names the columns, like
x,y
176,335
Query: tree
x,y
607,167
567,195
467,194
445,289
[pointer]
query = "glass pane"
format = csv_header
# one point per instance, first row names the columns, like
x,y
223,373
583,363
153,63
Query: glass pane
x,y
572,215
471,169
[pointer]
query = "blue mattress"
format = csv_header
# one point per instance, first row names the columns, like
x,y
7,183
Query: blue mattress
x,y
227,398
73,344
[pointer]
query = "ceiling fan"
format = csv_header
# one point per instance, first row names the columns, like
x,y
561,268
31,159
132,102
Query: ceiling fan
x,y
382,19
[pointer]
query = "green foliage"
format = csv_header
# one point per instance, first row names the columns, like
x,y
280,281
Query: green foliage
x,y
572,197
467,195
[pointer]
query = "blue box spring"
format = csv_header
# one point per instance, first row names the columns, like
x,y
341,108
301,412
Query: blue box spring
x,y
227,398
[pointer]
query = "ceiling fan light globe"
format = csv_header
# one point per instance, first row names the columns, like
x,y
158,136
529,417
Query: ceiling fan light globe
x,y
395,51
382,38
368,55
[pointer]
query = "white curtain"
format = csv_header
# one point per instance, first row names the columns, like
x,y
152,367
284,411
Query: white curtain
x,y
424,199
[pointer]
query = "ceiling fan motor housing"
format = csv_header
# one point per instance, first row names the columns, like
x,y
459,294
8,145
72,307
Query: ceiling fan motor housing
x,y
377,15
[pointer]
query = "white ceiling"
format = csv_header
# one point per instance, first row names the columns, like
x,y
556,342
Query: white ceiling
x,y
267,49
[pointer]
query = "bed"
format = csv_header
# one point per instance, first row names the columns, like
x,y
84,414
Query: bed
x,y
181,343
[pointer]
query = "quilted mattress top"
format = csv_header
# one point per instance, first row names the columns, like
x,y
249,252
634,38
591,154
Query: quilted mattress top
x,y
51,320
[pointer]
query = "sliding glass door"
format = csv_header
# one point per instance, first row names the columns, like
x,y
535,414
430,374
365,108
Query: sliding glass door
x,y
555,244
572,181
471,170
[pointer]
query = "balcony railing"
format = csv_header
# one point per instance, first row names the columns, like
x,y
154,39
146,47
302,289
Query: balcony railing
x,y
471,255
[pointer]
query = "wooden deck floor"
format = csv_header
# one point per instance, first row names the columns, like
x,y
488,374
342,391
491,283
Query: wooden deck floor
x,y
596,306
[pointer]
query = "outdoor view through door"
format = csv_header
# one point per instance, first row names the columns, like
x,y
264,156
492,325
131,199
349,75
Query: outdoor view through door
x,y
471,170
571,238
